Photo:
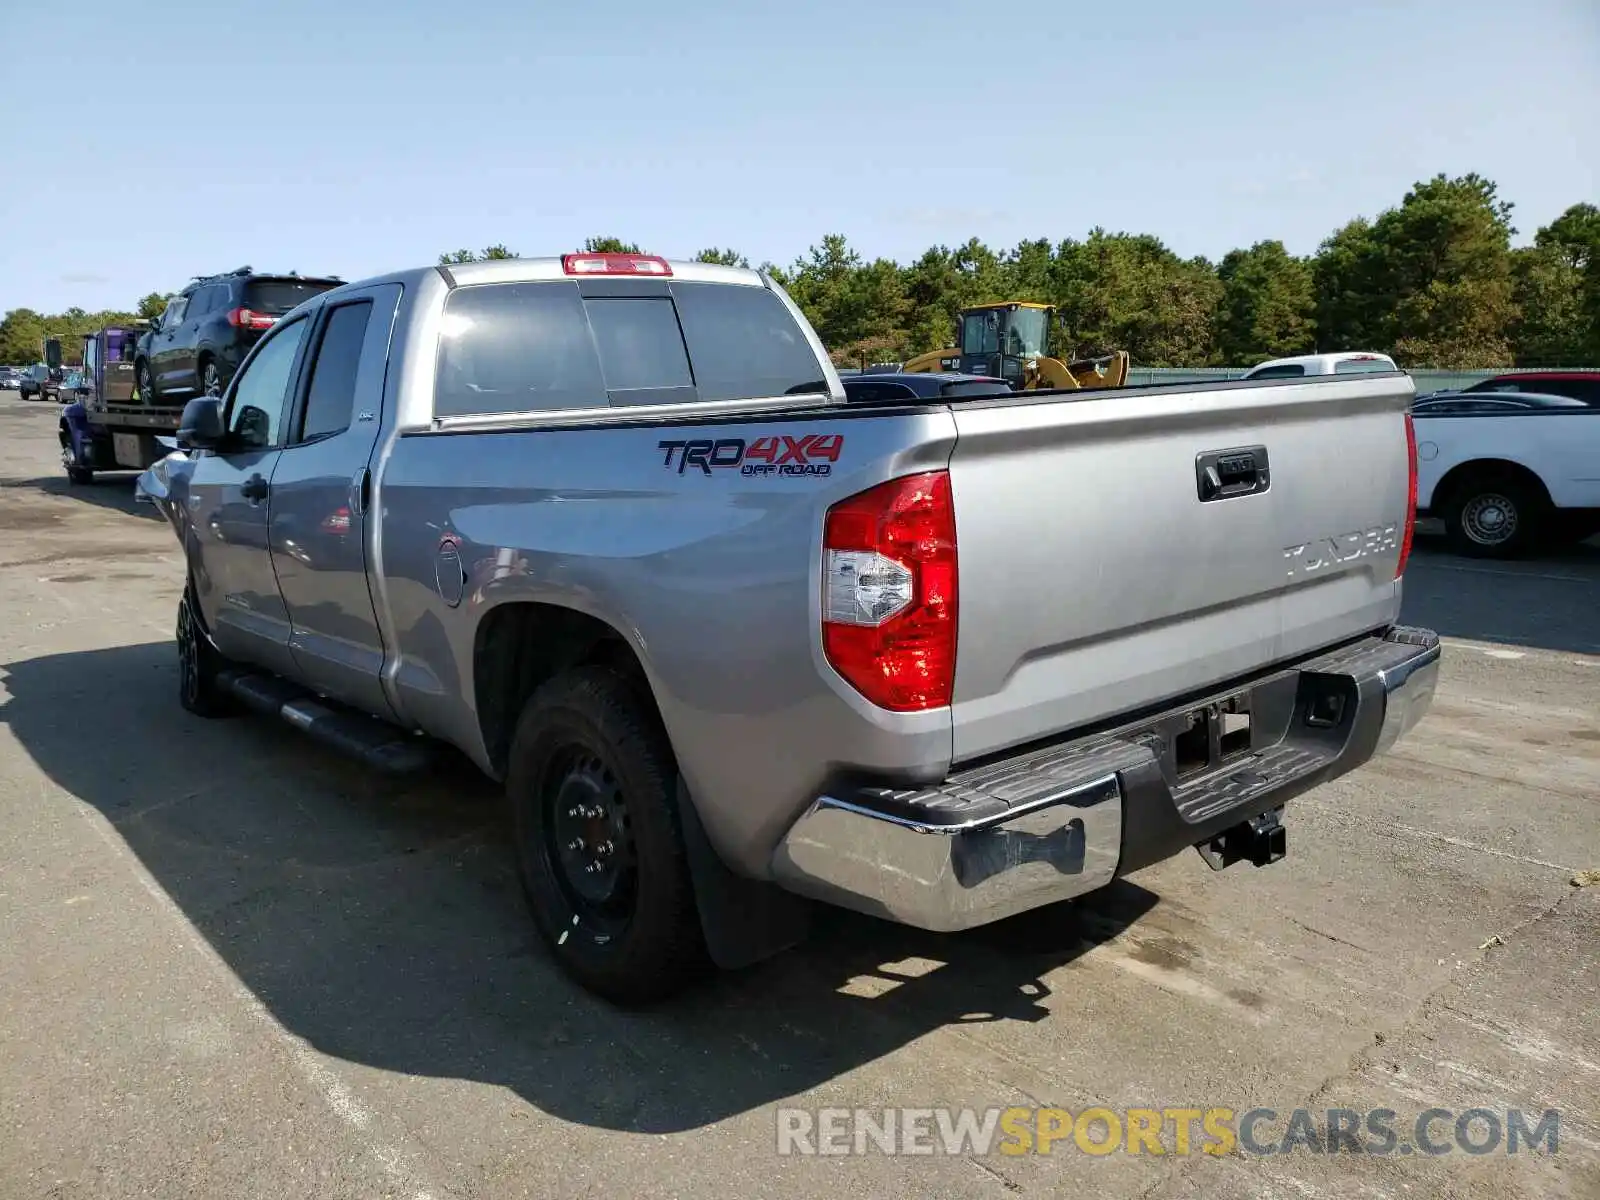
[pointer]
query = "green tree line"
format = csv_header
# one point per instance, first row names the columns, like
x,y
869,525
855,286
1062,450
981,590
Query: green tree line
x,y
23,331
1433,280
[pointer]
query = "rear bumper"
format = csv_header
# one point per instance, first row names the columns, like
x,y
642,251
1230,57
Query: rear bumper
x,y
1053,823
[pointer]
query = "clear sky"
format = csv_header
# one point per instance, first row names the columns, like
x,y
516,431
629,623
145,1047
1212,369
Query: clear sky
x,y
144,143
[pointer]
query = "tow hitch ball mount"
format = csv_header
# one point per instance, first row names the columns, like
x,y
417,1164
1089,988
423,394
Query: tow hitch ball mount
x,y
1262,840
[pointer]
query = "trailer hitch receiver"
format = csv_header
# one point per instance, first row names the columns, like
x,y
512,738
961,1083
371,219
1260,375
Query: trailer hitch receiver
x,y
1261,840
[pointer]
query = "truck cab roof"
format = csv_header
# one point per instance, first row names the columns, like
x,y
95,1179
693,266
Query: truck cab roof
x,y
1345,362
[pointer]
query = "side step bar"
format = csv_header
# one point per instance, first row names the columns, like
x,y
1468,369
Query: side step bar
x,y
375,743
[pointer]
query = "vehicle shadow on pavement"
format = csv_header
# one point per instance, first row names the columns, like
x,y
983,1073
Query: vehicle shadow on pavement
x,y
1548,602
381,920
104,491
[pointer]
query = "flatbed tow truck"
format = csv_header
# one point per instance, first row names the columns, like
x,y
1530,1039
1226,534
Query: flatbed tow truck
x,y
106,426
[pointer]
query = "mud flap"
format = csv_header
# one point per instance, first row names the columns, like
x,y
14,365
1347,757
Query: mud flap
x,y
744,920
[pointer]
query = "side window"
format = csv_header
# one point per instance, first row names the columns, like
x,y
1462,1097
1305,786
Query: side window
x,y
331,395
199,303
1287,371
261,390
174,313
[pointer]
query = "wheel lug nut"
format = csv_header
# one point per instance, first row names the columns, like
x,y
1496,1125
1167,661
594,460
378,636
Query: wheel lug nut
x,y
575,844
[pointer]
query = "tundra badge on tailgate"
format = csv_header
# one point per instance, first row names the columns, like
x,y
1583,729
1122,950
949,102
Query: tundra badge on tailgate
x,y
1340,548
811,454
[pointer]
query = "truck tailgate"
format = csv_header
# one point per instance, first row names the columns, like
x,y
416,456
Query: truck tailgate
x,y
1103,568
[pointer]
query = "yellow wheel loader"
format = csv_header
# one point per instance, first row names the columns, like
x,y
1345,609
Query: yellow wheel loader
x,y
1011,340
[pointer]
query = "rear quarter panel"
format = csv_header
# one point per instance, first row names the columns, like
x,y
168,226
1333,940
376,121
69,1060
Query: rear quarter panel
x,y
713,579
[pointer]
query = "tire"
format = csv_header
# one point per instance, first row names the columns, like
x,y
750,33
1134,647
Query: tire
x,y
1496,516
147,383
76,471
199,664
591,783
210,378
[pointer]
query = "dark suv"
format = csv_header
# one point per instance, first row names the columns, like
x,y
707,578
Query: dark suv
x,y
197,344
1580,385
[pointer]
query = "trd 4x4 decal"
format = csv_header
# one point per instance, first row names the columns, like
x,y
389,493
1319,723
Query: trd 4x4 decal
x,y
811,454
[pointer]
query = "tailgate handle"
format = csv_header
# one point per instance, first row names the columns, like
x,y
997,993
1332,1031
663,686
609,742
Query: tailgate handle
x,y
1224,474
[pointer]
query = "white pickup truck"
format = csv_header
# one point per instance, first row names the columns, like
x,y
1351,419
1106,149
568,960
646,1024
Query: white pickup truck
x,y
1509,474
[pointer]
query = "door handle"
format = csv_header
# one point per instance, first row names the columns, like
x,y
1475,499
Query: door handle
x,y
1224,474
255,488
361,492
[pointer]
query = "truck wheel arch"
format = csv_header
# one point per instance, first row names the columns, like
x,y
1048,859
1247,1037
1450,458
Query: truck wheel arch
x,y
520,644
1464,473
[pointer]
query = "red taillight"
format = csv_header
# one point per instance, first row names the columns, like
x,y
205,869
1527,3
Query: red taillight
x,y
615,264
244,318
1411,497
889,592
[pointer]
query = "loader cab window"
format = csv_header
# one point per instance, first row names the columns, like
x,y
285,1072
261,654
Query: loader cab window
x,y
1030,331
1021,333
980,332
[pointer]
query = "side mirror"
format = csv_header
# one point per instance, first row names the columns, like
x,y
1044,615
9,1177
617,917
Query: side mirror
x,y
155,324
200,427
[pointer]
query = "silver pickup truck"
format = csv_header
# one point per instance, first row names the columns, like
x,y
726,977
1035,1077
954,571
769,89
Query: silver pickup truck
x,y
609,526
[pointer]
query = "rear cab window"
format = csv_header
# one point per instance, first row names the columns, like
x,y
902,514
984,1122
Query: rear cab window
x,y
1363,366
552,345
277,296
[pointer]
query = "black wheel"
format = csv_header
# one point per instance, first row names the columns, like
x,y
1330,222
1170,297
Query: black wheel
x,y
199,664
147,383
1495,516
210,379
592,789
76,471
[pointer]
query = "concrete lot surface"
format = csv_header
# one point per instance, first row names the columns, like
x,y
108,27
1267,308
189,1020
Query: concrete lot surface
x,y
236,965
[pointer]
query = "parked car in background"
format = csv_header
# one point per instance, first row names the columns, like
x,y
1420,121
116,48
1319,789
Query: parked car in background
x,y
1459,402
610,525
39,383
74,386
10,379
1349,362
1579,385
1508,473
195,346
870,387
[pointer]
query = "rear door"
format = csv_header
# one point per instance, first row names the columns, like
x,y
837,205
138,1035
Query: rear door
x,y
1127,548
320,493
164,345
185,363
